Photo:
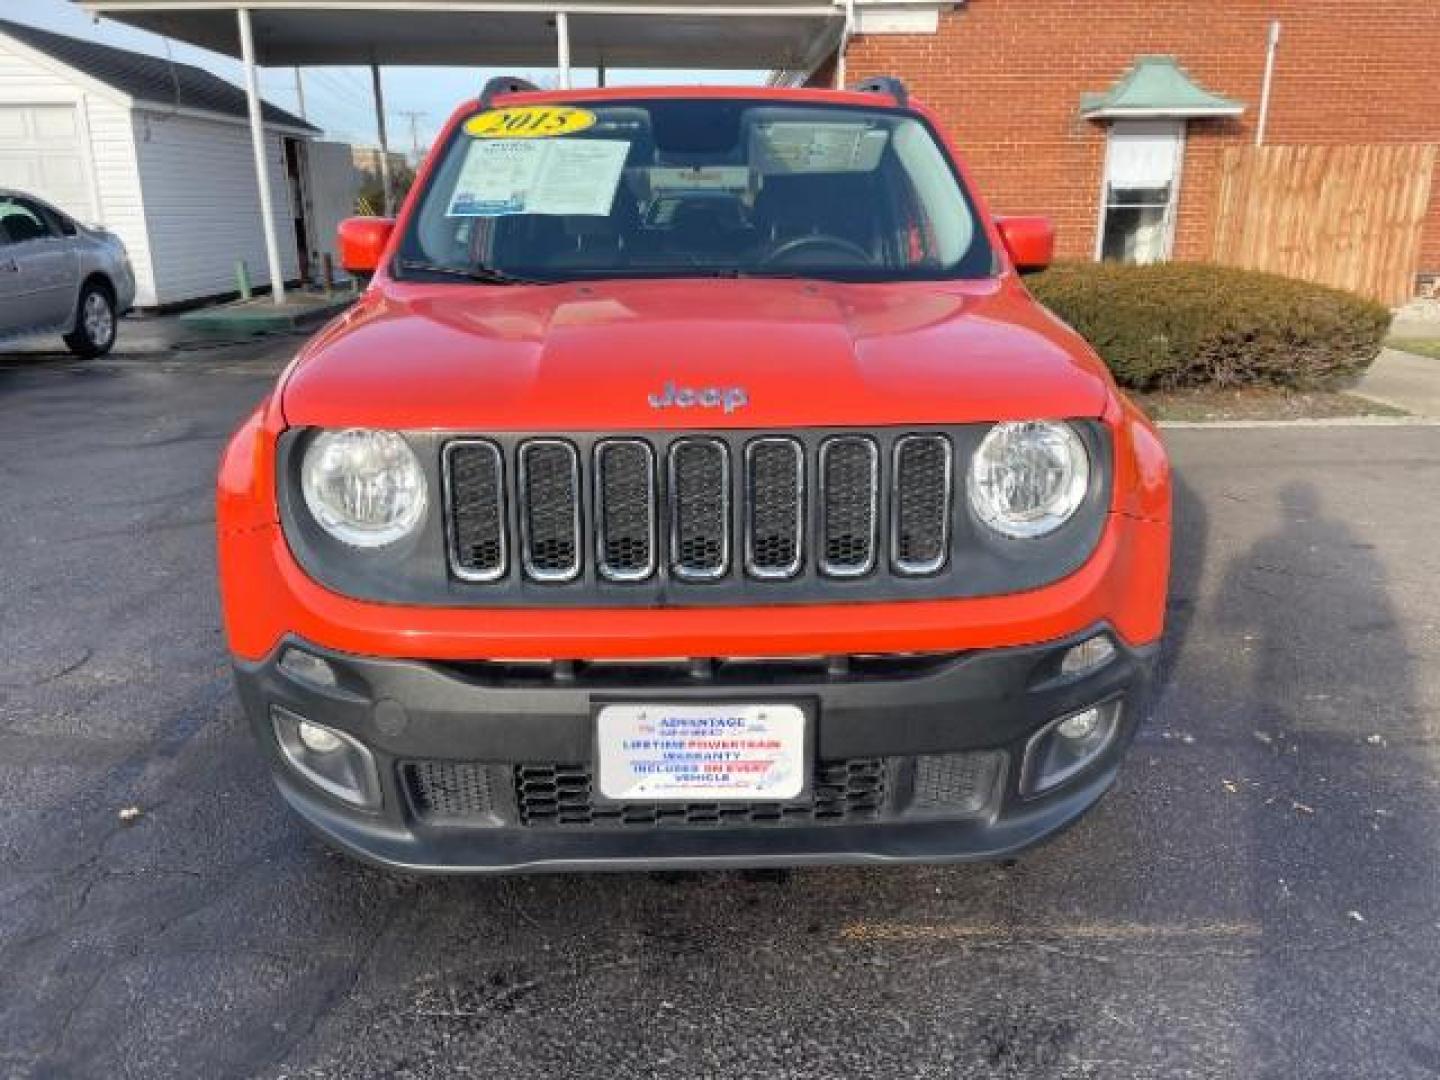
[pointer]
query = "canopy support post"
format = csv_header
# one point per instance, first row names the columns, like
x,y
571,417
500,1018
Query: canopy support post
x,y
562,48
846,33
387,190
262,170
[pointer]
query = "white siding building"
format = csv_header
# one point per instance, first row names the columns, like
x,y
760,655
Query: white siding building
x,y
158,153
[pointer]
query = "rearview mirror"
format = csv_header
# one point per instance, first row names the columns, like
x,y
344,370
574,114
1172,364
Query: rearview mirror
x,y
362,242
1030,240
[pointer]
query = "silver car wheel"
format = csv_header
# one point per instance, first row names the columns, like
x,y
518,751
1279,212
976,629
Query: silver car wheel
x,y
99,320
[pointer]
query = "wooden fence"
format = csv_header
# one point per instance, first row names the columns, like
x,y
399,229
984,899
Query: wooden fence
x,y
1348,216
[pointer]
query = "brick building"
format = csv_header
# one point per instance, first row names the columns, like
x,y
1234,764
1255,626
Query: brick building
x,y
1015,81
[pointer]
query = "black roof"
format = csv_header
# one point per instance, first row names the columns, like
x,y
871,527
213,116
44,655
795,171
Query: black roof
x,y
151,79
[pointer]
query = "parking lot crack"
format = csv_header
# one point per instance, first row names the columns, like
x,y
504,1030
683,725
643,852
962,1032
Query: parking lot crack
x,y
54,676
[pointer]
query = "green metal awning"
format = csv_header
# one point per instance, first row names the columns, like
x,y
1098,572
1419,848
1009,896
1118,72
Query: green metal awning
x,y
1156,86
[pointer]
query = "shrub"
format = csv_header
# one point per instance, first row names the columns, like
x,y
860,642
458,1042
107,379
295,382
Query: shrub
x,y
1190,324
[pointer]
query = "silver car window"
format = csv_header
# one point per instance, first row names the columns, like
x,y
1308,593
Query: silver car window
x,y
22,220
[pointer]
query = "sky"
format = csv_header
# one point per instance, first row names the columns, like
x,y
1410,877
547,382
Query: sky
x,y
338,99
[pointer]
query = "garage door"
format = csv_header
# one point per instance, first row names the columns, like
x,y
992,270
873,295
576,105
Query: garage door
x,y
40,153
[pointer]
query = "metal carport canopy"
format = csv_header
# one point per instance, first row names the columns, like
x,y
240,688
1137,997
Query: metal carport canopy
x,y
756,34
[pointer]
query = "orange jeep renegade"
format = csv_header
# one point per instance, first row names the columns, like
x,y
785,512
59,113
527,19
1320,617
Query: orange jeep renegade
x,y
695,484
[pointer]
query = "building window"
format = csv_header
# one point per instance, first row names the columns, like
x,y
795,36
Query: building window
x,y
1141,190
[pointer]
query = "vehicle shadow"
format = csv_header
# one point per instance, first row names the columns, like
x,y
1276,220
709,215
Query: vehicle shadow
x,y
1320,700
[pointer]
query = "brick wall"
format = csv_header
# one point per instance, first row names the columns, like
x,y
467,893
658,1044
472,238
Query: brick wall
x,y
1006,75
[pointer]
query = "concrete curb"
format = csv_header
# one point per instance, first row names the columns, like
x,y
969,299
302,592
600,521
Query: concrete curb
x,y
1315,422
232,322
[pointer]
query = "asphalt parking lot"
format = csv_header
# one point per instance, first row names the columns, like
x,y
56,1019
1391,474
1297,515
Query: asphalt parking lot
x,y
1258,898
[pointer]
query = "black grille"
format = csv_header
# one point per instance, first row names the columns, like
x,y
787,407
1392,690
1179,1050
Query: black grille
x,y
458,790
956,783
700,491
477,509
775,503
625,509
550,510
921,519
849,482
561,796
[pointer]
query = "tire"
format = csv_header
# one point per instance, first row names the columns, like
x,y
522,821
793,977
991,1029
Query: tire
x,y
95,322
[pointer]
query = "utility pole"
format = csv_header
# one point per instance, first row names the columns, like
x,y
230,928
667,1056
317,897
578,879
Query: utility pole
x,y
415,118
387,191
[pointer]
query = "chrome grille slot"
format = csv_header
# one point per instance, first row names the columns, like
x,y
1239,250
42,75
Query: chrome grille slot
x,y
475,494
849,493
920,516
625,509
699,492
549,510
774,507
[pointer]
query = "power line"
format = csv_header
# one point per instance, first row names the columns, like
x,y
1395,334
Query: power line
x,y
335,86
339,100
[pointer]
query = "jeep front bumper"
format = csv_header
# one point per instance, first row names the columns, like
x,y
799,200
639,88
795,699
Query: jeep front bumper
x,y
482,767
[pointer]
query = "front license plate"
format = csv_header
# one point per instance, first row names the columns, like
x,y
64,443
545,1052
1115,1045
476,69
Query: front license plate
x,y
701,753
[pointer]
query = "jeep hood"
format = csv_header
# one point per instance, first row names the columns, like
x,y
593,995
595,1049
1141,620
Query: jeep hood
x,y
591,356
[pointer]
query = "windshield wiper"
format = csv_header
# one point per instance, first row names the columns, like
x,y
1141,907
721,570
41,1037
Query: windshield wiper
x,y
485,275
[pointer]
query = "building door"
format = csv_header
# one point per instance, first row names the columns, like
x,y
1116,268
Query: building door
x,y
1141,190
297,177
333,188
41,153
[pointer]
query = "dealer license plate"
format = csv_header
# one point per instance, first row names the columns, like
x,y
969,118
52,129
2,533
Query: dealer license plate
x,y
701,753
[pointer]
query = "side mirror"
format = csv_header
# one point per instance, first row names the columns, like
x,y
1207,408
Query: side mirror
x,y
1029,240
362,242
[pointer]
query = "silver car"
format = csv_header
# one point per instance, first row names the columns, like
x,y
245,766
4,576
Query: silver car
x,y
58,276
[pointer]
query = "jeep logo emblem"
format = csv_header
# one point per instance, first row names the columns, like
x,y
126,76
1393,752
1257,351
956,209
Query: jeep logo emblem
x,y
728,398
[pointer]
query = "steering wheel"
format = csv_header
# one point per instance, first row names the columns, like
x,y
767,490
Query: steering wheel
x,y
817,240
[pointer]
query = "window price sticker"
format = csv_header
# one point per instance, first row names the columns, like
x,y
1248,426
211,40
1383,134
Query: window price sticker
x,y
525,176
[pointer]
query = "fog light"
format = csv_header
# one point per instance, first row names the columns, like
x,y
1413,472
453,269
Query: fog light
x,y
333,761
308,668
1066,745
1091,653
1080,726
319,739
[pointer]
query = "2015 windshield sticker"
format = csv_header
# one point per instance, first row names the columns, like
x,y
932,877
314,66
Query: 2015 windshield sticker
x,y
521,176
529,122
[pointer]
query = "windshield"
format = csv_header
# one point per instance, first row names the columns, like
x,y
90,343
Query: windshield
x,y
693,188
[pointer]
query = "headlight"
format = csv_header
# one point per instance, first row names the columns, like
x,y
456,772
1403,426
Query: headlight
x,y
365,488
1027,479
